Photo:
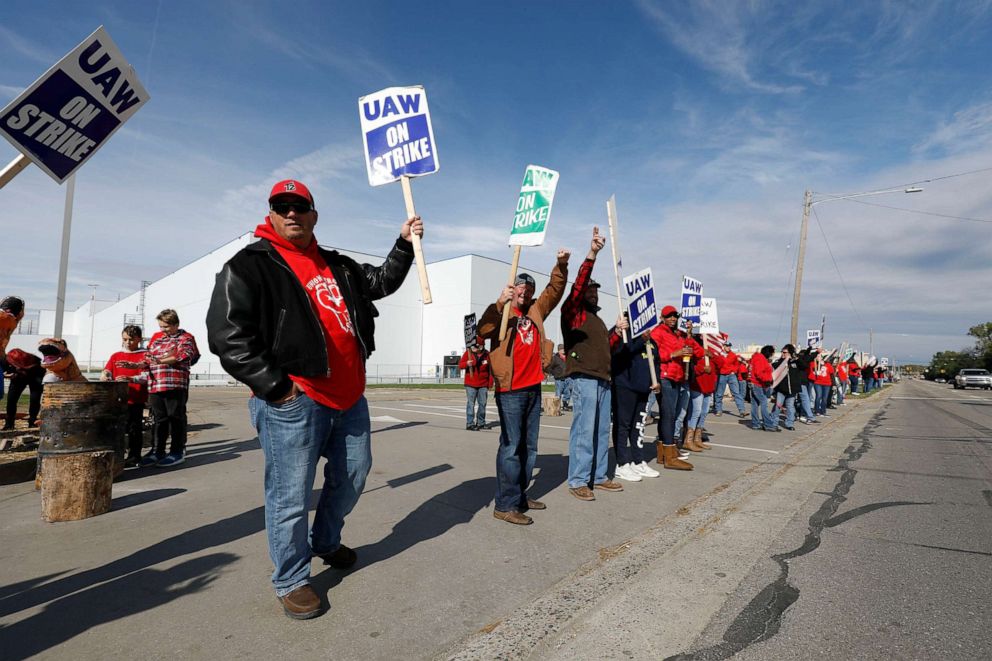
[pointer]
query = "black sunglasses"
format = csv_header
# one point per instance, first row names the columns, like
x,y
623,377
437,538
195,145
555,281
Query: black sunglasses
x,y
282,208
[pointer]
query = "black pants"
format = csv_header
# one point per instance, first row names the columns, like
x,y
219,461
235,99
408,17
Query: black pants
x,y
135,430
17,386
628,407
169,415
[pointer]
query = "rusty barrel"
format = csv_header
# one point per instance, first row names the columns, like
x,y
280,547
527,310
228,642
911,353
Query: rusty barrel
x,y
83,416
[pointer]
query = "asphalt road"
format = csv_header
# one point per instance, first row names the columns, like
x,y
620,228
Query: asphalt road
x,y
179,568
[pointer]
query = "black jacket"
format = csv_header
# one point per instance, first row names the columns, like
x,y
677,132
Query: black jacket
x,y
261,322
793,381
629,365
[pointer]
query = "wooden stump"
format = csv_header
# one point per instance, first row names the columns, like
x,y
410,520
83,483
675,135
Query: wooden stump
x,y
551,405
76,486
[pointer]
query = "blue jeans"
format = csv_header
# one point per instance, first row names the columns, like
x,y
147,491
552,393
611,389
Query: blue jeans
x,y
806,403
699,405
628,415
732,381
652,405
520,423
589,437
671,392
475,405
840,392
854,385
789,403
563,389
294,436
760,415
682,408
822,392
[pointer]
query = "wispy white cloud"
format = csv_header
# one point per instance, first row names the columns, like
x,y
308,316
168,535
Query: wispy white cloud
x,y
966,129
27,48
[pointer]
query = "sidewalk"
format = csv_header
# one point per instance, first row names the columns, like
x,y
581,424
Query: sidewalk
x,y
179,568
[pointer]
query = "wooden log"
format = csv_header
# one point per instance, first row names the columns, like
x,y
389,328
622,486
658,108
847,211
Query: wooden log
x,y
77,486
551,405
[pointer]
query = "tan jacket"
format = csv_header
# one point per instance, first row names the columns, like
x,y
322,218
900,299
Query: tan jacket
x,y
501,353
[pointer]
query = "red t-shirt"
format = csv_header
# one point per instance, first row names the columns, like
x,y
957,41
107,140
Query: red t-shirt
x,y
137,391
823,374
345,381
527,370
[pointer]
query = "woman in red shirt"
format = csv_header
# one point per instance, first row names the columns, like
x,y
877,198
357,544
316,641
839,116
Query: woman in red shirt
x,y
761,388
823,378
705,375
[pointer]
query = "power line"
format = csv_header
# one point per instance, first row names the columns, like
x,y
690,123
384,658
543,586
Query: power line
x,y
837,268
924,181
922,213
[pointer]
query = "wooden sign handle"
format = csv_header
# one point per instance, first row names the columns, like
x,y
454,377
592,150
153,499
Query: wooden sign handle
x,y
418,251
654,377
506,308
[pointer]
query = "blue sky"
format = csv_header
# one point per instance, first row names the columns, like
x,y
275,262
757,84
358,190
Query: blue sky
x,y
708,120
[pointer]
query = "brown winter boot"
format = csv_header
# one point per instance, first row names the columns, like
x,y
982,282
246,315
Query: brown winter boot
x,y
672,461
699,440
690,441
661,455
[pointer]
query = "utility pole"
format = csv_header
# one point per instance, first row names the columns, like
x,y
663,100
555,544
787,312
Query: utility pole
x,y
89,361
797,290
871,343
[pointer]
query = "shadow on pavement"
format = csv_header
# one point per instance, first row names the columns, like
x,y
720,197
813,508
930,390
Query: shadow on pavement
x,y
132,499
76,613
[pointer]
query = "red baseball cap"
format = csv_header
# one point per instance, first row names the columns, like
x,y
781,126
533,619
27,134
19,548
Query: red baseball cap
x,y
291,187
667,310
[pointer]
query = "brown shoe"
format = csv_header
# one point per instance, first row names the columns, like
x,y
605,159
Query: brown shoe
x,y
301,604
700,442
609,485
536,505
582,493
513,516
690,441
672,461
659,448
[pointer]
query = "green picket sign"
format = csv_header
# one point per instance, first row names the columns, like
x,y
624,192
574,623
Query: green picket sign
x,y
537,194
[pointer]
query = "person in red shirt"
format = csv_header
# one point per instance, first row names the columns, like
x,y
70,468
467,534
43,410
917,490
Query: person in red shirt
x,y
675,350
854,374
761,387
24,371
823,379
478,381
295,322
840,369
705,374
118,369
729,369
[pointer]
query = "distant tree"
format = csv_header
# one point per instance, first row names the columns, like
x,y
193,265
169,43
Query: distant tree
x,y
945,364
983,343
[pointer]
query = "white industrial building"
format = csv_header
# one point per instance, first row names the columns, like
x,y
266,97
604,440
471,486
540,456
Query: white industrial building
x,y
411,338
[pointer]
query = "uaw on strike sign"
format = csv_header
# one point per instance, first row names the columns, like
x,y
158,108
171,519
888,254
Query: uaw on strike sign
x,y
537,195
399,138
71,111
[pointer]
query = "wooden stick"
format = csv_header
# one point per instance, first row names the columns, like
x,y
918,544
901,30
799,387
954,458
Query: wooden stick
x,y
418,251
13,168
654,377
506,308
611,217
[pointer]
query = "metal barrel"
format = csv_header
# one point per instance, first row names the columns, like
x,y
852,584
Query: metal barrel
x,y
83,416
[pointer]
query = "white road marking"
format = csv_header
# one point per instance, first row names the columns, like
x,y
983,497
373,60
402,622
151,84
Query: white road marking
x,y
385,418
444,415
738,447
941,399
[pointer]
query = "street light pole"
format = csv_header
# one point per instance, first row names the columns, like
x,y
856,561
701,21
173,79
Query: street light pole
x,y
89,361
808,203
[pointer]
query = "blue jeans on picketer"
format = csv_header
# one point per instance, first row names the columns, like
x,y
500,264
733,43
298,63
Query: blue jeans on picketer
x,y
652,405
731,381
807,405
475,405
520,422
671,392
789,403
821,398
589,437
699,406
294,436
854,385
760,415
563,389
840,392
682,408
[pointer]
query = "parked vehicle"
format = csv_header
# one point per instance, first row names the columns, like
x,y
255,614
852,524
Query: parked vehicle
x,y
973,378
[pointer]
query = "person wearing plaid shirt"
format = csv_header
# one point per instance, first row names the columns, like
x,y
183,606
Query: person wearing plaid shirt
x,y
169,356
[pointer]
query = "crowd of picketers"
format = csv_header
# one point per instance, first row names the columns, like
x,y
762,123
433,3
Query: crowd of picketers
x,y
605,377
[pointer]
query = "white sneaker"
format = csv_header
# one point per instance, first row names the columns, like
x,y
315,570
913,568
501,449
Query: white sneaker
x,y
644,470
627,473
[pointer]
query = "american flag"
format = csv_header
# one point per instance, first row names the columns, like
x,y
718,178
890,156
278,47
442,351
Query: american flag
x,y
715,343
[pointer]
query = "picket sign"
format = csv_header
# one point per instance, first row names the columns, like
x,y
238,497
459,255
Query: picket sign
x,y
642,310
691,301
530,221
611,217
398,140
648,346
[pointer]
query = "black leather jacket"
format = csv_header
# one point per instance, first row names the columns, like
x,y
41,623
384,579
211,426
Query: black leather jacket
x,y
261,322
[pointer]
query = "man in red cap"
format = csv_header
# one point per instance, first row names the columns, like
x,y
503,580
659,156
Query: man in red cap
x,y
295,323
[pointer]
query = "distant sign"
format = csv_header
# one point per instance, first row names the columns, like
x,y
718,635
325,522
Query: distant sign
x,y
709,323
883,362
537,194
71,111
692,298
471,330
813,337
642,309
398,136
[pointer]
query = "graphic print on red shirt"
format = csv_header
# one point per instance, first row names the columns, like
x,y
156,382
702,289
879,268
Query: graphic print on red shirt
x,y
137,392
527,369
